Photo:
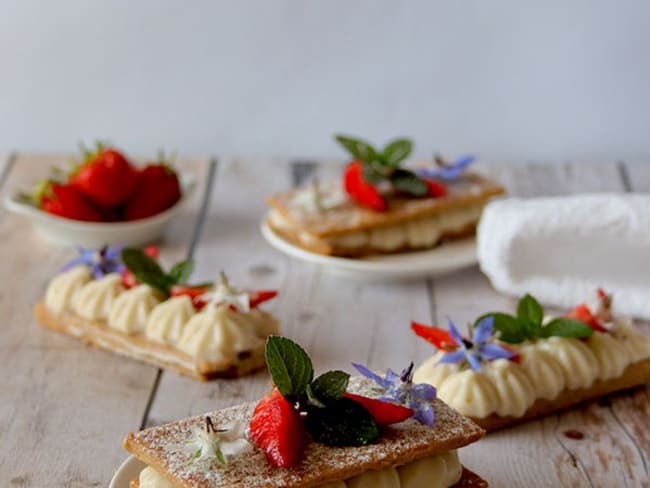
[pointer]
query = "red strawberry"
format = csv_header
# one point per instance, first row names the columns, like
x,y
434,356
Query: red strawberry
x,y
194,292
128,278
66,201
277,428
384,413
583,314
261,296
436,336
106,178
437,189
157,190
359,190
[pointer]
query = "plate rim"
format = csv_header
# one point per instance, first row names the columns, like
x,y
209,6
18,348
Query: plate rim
x,y
130,463
463,253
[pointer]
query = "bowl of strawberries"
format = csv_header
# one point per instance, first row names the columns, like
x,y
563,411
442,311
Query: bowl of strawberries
x,y
105,199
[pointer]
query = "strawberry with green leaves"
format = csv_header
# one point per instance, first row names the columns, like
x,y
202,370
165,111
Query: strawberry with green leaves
x,y
372,169
321,407
104,176
65,201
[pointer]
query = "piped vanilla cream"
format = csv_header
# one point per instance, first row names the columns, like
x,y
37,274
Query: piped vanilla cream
x,y
63,288
95,298
131,309
167,320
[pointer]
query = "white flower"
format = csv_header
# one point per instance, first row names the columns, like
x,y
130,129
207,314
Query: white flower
x,y
208,444
226,295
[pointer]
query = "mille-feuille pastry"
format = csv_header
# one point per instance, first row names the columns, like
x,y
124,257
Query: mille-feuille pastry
x,y
516,368
380,207
123,301
333,431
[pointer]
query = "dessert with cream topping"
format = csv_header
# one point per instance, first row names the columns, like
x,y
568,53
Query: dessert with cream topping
x,y
381,207
515,368
334,431
122,300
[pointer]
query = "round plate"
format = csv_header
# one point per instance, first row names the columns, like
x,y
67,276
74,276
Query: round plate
x,y
447,257
126,472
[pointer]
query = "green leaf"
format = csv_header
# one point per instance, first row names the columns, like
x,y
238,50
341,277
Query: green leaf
x,y
565,327
159,282
530,310
181,272
289,366
408,182
509,328
343,422
329,386
396,151
372,176
136,260
359,149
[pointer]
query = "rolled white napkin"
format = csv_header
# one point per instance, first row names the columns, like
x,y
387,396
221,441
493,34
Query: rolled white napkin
x,y
559,249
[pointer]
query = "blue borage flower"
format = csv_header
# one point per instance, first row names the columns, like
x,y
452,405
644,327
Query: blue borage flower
x,y
444,171
101,261
479,348
400,389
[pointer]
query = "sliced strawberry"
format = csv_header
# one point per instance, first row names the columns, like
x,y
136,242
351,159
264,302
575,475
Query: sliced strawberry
x,y
359,190
437,189
157,189
435,335
67,201
106,177
194,292
261,296
277,428
583,314
384,413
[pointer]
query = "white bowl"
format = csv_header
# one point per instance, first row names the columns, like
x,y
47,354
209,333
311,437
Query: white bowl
x,y
68,232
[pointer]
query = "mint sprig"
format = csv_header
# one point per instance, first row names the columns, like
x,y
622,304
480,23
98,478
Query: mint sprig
x,y
384,165
330,418
148,271
528,324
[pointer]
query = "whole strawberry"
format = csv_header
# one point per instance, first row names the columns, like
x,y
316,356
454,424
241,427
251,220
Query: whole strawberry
x,y
277,428
67,201
157,189
105,177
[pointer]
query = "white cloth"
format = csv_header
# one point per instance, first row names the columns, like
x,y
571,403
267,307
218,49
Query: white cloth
x,y
559,249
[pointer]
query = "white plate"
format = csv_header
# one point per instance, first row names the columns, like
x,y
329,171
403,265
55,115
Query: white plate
x,y
68,232
126,472
447,257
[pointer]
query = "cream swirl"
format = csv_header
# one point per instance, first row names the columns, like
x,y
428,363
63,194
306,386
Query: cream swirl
x,y
470,392
440,471
131,309
167,320
150,478
95,299
543,370
578,362
219,334
515,391
610,353
62,289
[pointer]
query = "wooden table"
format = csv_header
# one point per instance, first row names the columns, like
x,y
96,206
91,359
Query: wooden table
x,y
64,407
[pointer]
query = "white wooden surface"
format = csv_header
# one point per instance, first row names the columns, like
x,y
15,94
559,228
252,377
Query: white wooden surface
x,y
64,407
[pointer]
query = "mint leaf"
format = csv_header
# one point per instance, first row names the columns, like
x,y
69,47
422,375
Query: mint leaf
x,y
343,422
136,260
372,176
529,309
565,327
154,280
181,272
359,149
509,328
396,151
329,386
408,182
289,366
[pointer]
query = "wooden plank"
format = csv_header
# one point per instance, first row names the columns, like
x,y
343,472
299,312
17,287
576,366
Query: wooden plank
x,y
539,453
64,407
337,320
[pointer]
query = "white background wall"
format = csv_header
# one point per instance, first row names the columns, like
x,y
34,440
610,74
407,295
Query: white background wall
x,y
507,79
